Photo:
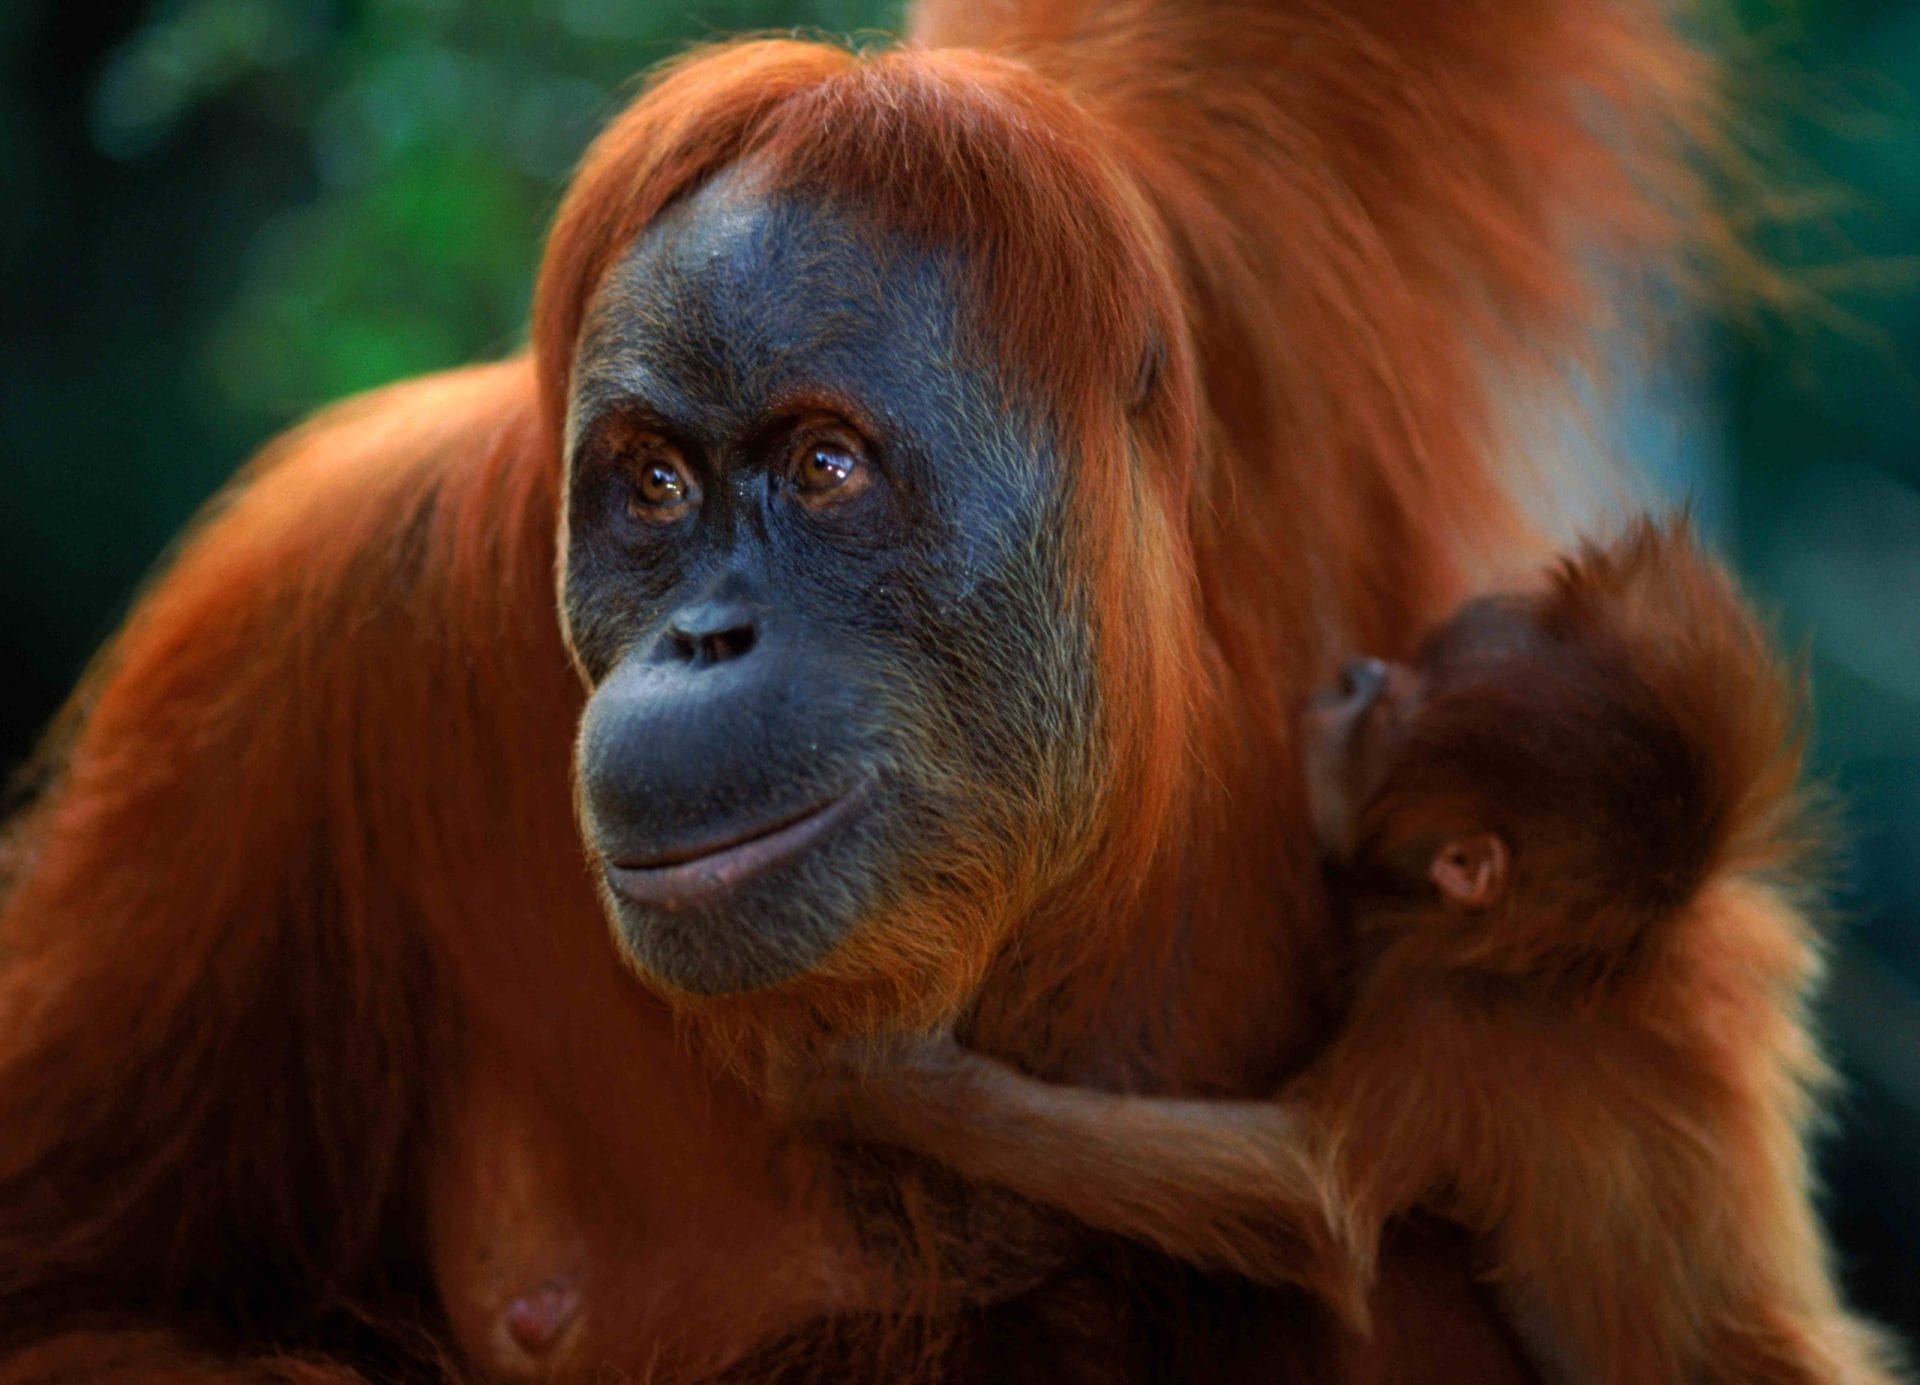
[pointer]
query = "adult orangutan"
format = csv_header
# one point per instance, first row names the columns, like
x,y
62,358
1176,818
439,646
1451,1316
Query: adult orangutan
x,y
957,459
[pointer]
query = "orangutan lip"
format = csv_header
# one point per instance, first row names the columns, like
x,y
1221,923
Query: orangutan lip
x,y
681,878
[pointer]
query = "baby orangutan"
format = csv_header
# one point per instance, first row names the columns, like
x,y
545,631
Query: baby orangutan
x,y
1562,844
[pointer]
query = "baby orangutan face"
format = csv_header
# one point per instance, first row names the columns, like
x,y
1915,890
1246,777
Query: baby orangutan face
x,y
1358,735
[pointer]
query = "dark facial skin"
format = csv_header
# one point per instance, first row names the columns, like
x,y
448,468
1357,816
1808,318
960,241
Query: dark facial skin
x,y
814,578
1359,726
1342,746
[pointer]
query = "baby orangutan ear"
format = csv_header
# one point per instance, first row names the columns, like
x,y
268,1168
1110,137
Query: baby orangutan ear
x,y
1471,872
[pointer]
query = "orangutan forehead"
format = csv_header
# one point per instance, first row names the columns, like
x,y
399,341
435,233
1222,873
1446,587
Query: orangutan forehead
x,y
742,292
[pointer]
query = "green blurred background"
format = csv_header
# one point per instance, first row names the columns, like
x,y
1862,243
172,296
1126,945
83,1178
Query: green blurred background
x,y
218,214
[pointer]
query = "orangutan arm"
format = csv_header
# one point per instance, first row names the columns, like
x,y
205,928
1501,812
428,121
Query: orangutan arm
x,y
1226,1185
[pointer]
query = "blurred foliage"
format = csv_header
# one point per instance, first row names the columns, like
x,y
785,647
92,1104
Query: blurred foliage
x,y
1823,436
435,133
222,213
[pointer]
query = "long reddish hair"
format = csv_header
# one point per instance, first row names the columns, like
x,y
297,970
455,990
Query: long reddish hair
x,y
1270,266
1325,305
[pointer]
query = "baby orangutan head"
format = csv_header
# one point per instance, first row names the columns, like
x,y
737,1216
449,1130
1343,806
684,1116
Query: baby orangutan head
x,y
1576,760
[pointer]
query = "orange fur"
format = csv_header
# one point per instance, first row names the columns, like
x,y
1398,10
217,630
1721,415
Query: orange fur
x,y
1603,1073
300,965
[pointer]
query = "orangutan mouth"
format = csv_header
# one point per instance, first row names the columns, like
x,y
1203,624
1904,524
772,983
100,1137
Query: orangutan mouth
x,y
681,877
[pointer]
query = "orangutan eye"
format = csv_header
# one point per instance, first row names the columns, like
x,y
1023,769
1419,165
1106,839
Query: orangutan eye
x,y
662,487
661,484
828,470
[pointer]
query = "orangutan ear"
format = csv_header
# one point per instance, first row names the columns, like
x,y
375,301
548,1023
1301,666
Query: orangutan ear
x,y
1471,872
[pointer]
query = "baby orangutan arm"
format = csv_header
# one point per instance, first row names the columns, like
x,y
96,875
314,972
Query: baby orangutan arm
x,y
1229,1185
